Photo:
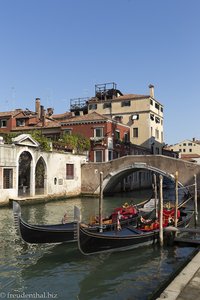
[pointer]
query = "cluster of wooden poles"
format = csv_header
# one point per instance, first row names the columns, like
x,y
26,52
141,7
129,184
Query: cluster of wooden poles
x,y
160,202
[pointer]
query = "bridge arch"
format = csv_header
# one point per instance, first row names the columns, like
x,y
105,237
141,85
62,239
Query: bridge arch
x,y
160,164
114,177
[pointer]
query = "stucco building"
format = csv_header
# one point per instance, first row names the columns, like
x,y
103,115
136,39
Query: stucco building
x,y
187,149
142,113
27,171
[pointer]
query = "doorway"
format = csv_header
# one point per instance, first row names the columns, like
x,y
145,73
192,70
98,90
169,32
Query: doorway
x,y
25,160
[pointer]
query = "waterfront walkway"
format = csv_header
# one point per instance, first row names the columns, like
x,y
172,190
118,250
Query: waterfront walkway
x,y
186,285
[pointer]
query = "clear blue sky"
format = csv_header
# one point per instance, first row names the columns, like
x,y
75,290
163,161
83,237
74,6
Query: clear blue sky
x,y
59,49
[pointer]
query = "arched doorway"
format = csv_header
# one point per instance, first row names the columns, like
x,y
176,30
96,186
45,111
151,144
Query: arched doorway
x,y
40,177
24,176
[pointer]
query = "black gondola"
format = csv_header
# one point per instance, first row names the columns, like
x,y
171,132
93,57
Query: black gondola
x,y
58,233
34,234
118,240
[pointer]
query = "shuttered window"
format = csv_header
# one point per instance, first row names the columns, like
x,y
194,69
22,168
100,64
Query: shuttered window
x,y
135,132
98,156
69,171
8,178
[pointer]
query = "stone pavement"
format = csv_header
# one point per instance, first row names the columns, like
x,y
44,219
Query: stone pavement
x,y
186,286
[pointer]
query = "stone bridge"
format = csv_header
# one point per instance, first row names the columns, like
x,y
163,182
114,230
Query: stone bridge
x,y
115,170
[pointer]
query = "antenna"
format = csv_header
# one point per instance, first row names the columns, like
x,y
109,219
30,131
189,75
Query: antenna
x,y
13,97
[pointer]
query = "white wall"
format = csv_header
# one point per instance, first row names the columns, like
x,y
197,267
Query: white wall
x,y
56,169
55,164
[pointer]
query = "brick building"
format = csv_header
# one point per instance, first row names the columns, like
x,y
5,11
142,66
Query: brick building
x,y
109,139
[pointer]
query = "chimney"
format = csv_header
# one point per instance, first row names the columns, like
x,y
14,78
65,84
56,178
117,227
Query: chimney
x,y
49,111
44,118
151,87
37,107
42,115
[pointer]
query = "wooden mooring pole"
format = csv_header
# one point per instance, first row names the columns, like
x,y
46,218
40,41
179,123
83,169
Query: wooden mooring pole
x,y
161,212
176,200
195,201
101,202
155,194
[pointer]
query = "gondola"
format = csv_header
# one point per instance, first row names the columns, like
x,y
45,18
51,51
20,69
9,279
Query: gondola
x,y
36,234
126,238
58,233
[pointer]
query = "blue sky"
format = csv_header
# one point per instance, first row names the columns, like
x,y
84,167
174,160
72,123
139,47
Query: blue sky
x,y
59,49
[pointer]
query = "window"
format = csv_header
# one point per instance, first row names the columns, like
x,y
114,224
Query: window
x,y
179,150
183,150
98,156
136,176
190,150
152,117
157,150
92,106
110,155
8,178
126,137
118,118
98,132
157,105
126,103
189,144
161,109
151,101
107,105
117,134
184,144
69,171
68,131
157,120
20,122
3,123
135,132
157,134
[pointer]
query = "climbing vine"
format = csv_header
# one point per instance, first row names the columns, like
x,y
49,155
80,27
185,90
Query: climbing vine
x,y
67,142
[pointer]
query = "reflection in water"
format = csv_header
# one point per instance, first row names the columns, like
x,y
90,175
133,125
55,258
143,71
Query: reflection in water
x,y
128,275
61,269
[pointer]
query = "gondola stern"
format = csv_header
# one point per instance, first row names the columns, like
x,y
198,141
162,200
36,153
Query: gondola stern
x,y
79,240
17,216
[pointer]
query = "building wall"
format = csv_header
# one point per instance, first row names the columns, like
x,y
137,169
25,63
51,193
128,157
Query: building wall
x,y
186,147
150,132
56,173
135,181
112,132
55,163
9,124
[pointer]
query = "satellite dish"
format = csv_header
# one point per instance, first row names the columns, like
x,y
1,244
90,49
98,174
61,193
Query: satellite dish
x,y
134,117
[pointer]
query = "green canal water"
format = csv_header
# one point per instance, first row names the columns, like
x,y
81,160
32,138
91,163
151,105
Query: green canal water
x,y
62,272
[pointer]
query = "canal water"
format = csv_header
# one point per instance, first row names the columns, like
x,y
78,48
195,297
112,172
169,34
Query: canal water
x,y
62,272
